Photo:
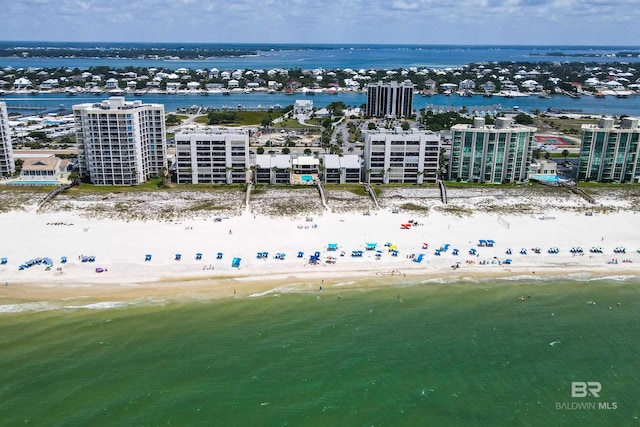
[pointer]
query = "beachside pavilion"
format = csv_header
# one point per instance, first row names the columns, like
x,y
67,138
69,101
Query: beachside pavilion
x,y
43,169
305,170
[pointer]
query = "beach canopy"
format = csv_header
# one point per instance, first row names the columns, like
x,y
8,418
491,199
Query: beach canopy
x,y
236,262
178,256
418,258
219,255
371,246
300,254
198,256
147,257
3,260
332,247
63,259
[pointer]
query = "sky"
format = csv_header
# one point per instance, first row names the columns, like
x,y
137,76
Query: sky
x,y
470,22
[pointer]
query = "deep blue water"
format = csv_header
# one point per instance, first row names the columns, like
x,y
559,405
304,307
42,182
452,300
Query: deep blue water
x,y
329,56
587,104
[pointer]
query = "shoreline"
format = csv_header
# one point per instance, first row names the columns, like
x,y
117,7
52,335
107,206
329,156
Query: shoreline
x,y
103,228
32,297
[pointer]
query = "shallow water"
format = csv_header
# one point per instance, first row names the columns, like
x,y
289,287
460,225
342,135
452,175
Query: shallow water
x,y
431,354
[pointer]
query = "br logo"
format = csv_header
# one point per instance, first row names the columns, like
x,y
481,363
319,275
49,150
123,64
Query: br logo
x,y
582,389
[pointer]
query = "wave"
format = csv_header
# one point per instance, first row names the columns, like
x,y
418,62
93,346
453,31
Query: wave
x,y
42,306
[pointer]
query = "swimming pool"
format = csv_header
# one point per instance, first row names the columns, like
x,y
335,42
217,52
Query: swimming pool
x,y
306,178
55,183
545,178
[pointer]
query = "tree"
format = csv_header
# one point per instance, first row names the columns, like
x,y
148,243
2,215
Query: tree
x,y
307,151
74,177
565,154
372,126
523,119
406,125
267,121
260,150
286,150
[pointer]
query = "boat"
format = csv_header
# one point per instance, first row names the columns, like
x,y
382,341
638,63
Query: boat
x,y
600,94
226,92
487,95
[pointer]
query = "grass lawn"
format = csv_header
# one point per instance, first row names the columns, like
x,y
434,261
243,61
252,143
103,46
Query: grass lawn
x,y
243,118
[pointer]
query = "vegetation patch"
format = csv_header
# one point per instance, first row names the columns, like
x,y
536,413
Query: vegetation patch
x,y
414,207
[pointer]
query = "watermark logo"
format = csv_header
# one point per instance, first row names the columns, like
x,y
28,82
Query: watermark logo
x,y
582,389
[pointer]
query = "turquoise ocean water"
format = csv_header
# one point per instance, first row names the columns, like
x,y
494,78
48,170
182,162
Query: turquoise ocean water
x,y
460,353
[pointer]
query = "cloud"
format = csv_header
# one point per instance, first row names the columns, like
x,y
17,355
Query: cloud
x,y
336,21
403,5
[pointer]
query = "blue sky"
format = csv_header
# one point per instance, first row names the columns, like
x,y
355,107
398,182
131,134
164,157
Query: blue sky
x,y
571,22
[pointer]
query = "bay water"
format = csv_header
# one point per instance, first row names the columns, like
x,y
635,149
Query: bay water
x,y
491,352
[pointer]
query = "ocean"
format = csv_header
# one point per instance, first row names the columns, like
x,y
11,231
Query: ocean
x,y
457,353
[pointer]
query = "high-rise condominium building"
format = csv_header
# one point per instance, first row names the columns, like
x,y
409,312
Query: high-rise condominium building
x,y
397,156
7,164
497,153
610,152
120,142
212,156
389,99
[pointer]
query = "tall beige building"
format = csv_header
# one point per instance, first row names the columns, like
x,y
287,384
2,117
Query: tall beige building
x,y
7,164
120,142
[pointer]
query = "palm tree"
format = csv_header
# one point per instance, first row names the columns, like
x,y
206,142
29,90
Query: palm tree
x,y
74,177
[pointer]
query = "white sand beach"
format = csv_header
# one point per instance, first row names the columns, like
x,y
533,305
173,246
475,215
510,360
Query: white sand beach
x,y
120,246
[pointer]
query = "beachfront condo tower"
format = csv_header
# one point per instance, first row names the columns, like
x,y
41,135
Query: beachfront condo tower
x,y
610,152
499,153
212,156
7,164
399,156
389,99
120,142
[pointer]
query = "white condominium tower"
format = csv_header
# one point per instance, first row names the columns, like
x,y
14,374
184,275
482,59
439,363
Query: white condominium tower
x,y
497,153
7,165
389,99
212,156
609,152
398,156
120,142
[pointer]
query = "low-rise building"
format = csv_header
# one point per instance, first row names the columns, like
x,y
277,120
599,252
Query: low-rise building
x,y
272,169
341,169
